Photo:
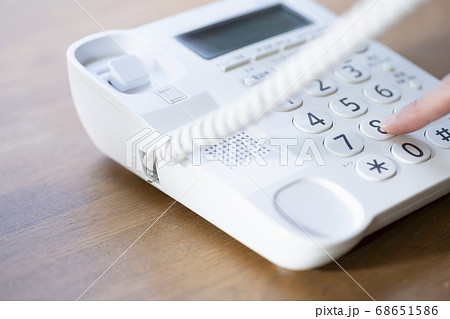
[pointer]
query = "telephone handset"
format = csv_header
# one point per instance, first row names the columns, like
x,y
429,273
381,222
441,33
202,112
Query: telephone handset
x,y
301,184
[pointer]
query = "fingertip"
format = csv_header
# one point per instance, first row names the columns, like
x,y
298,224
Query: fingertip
x,y
388,124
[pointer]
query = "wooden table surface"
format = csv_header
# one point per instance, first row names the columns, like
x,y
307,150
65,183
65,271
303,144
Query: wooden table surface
x,y
67,212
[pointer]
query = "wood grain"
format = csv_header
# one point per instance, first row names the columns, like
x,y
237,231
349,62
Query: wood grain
x,y
67,212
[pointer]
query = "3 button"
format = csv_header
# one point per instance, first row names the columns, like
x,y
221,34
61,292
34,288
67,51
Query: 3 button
x,y
352,74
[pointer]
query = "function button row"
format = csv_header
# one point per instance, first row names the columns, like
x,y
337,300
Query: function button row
x,y
234,63
293,43
265,51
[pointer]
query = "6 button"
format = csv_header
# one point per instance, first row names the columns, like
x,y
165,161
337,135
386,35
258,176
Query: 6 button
x,y
382,93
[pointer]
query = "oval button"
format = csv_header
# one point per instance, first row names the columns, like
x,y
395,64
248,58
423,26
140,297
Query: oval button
x,y
302,202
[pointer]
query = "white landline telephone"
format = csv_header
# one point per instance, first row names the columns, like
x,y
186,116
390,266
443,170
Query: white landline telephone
x,y
307,181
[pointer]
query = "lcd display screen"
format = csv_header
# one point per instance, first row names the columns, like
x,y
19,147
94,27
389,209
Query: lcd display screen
x,y
230,35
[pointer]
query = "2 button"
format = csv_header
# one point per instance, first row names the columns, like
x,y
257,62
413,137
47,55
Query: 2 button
x,y
321,88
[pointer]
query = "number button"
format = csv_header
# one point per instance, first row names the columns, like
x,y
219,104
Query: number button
x,y
352,74
376,168
289,104
321,88
382,93
344,144
411,151
313,122
439,135
371,128
348,107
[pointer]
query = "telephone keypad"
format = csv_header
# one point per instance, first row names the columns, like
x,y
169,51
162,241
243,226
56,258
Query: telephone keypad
x,y
362,85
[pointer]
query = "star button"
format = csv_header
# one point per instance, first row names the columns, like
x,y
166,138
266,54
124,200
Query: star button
x,y
376,168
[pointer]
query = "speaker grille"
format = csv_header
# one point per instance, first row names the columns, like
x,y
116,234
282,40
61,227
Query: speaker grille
x,y
236,150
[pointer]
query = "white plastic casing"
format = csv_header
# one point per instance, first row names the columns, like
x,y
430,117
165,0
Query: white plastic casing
x,y
296,216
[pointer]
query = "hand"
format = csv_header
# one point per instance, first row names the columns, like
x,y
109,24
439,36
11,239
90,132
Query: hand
x,y
433,105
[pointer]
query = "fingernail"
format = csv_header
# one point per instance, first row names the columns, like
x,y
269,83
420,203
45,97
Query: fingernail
x,y
388,121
